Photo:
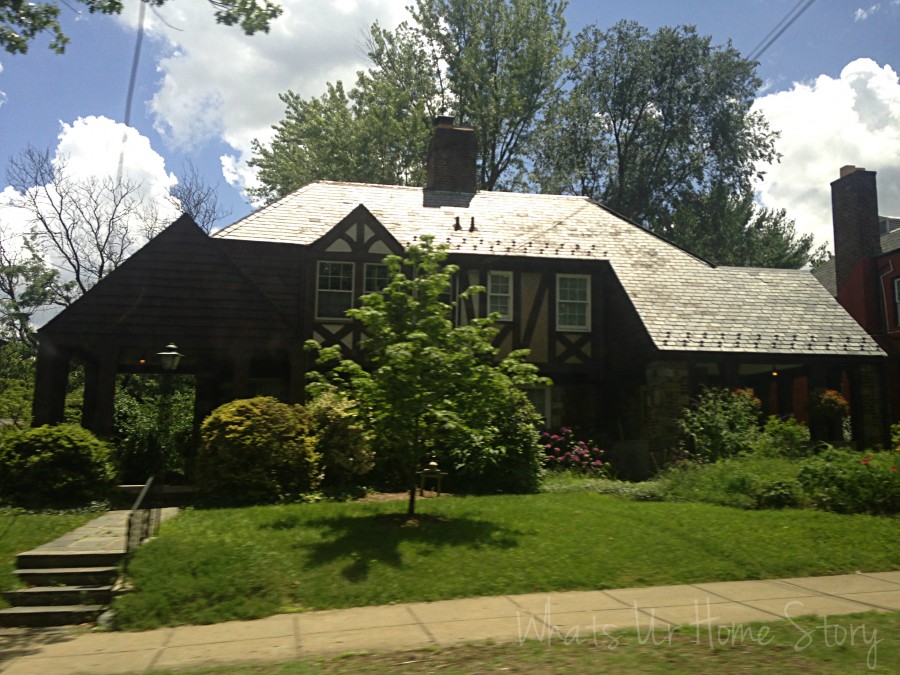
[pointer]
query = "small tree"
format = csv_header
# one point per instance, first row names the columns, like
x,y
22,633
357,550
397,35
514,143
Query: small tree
x,y
425,379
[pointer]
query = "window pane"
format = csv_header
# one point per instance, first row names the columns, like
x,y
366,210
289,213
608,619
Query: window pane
x,y
499,304
334,303
573,289
376,278
573,314
336,276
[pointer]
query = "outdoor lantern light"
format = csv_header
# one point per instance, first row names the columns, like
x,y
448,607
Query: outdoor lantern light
x,y
170,358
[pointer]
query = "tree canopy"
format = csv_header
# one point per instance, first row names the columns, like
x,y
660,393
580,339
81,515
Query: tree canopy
x,y
431,388
658,126
491,63
728,229
79,229
21,22
651,121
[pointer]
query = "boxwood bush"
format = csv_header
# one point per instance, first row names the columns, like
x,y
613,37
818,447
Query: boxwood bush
x,y
256,451
54,466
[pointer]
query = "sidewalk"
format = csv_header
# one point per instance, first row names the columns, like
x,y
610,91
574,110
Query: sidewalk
x,y
428,624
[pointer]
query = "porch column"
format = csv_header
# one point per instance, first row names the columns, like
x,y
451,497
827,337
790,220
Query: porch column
x,y
99,394
51,379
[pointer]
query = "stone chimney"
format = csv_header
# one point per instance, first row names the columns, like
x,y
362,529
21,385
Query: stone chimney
x,y
451,158
854,209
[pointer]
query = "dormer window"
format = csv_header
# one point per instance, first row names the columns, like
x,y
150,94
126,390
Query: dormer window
x,y
334,289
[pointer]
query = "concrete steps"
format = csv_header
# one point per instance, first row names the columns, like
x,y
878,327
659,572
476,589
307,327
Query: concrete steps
x,y
69,581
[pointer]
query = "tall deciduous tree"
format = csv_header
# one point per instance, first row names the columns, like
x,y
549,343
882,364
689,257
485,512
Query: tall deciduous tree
x,y
651,120
491,63
27,285
729,229
427,381
80,230
503,60
21,22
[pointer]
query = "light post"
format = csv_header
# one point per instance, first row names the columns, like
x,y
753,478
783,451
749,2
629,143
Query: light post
x,y
169,359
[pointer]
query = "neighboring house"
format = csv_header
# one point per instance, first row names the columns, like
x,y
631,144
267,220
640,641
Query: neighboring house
x,y
626,324
864,274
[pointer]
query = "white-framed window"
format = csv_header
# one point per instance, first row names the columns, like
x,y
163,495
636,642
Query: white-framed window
x,y
334,289
500,294
897,299
376,277
573,302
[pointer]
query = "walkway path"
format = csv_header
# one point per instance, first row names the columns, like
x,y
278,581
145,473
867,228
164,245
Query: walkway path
x,y
409,626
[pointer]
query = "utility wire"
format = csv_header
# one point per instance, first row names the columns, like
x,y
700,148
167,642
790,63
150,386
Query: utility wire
x,y
779,29
132,79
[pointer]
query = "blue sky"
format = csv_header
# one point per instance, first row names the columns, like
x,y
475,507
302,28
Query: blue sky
x,y
204,91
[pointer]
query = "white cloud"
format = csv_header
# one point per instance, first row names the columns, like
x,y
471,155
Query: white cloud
x,y
853,119
217,83
2,93
93,148
863,14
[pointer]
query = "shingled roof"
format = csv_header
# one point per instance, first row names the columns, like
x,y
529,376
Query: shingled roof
x,y
826,273
685,303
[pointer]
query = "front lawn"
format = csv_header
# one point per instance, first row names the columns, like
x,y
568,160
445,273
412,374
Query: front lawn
x,y
21,531
214,565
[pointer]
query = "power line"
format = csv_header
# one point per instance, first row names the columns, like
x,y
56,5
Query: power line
x,y
779,28
131,80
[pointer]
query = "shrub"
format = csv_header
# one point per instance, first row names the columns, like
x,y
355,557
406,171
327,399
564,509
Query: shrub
x,y
747,482
502,454
60,466
721,423
254,451
340,439
563,452
138,436
851,482
895,435
782,438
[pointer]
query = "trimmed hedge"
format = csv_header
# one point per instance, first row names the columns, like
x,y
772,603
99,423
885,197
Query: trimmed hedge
x,y
256,451
58,466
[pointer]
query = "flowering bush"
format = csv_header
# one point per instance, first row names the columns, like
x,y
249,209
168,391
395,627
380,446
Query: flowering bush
x,y
830,404
563,451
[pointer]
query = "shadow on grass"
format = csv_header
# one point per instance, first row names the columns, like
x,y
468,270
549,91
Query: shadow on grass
x,y
376,539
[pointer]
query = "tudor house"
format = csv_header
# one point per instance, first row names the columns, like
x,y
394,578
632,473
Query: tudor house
x,y
626,324
864,274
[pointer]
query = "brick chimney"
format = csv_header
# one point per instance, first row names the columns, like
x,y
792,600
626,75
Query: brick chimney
x,y
451,158
854,209
857,244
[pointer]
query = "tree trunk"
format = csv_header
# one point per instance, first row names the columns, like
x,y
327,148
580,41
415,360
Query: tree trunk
x,y
411,509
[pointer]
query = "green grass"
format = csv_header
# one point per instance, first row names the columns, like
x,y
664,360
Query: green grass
x,y
216,565
20,531
801,647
